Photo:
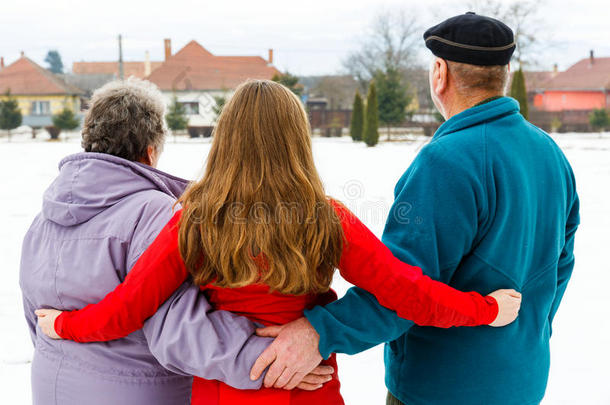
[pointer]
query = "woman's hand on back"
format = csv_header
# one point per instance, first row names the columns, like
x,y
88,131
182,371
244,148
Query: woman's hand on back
x,y
46,321
509,303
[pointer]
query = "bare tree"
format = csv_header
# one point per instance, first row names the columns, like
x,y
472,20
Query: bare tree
x,y
393,42
338,90
523,17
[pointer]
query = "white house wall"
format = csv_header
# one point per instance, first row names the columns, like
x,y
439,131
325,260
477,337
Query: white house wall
x,y
206,116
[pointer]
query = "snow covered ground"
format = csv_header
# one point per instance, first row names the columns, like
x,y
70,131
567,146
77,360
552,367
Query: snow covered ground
x,y
364,179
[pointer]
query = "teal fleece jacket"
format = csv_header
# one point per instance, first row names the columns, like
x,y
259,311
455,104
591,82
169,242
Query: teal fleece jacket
x,y
489,203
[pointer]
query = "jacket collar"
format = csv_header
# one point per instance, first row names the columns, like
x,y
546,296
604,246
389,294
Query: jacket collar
x,y
478,115
171,185
89,183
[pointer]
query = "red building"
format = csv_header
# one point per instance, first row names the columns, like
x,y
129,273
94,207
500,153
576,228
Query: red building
x,y
195,69
192,68
194,76
583,87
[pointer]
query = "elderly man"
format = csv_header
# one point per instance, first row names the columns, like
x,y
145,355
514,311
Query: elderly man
x,y
101,212
492,200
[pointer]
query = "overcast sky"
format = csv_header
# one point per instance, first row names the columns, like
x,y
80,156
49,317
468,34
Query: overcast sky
x,y
309,37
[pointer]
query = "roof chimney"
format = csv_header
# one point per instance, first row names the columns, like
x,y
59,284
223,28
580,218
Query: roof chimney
x,y
22,54
270,59
591,57
121,66
147,68
555,69
168,48
1,62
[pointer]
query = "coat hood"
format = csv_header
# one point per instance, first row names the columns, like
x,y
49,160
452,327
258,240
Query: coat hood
x,y
88,183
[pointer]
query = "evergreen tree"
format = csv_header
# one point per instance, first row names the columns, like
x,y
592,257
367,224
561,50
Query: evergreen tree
x,y
393,97
10,114
599,119
357,125
176,116
519,92
290,81
54,60
217,108
65,120
371,120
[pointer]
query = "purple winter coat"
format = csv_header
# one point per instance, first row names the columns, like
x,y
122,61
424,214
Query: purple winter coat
x,y
98,217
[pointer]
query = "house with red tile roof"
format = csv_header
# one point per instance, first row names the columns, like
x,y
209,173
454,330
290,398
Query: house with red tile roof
x,y
39,92
196,78
139,69
585,86
195,68
136,69
92,75
193,75
534,83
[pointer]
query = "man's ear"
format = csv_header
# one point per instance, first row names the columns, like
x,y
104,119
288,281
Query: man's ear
x,y
441,76
444,75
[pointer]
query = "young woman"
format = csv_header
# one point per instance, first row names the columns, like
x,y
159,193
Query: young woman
x,y
262,239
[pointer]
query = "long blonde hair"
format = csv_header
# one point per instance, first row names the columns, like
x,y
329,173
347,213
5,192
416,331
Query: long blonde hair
x,y
260,213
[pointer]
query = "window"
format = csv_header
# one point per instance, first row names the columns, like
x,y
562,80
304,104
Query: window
x,y
191,107
41,108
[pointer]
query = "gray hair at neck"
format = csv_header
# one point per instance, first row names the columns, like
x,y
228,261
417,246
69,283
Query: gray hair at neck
x,y
469,79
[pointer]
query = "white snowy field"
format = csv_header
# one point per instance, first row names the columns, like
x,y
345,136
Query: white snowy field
x,y
363,178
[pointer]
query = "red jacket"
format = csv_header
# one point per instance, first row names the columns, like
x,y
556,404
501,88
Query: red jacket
x,y
365,262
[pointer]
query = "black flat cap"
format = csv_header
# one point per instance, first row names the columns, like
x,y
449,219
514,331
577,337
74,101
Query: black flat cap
x,y
472,39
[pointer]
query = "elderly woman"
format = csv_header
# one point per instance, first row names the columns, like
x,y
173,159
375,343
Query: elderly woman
x,y
102,211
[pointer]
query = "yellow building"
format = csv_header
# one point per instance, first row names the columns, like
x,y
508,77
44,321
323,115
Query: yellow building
x,y
40,93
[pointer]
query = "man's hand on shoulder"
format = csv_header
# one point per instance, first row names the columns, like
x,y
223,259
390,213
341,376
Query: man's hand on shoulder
x,y
293,356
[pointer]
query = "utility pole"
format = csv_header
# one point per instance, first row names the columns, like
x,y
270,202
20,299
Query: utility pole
x,y
121,72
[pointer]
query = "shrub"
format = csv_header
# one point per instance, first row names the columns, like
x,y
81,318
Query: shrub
x,y
371,121
176,116
357,123
519,92
556,124
65,120
599,119
10,114
53,131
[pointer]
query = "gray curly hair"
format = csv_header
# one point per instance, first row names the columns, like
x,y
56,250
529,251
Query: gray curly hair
x,y
124,119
